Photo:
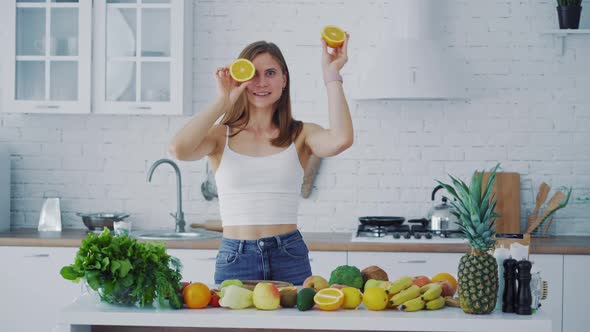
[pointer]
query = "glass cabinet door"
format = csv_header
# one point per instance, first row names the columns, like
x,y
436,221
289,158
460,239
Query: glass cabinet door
x,y
49,72
139,59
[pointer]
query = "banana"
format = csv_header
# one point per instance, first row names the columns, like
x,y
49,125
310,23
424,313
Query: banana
x,y
452,301
435,304
407,294
399,285
413,305
431,292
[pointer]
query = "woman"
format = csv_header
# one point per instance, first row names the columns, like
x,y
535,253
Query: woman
x,y
259,153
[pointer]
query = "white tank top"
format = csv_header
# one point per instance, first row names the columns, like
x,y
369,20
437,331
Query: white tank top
x,y
258,190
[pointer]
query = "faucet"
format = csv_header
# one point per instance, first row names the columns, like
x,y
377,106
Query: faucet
x,y
179,216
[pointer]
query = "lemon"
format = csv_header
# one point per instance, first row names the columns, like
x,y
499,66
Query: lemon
x,y
329,299
375,298
242,70
352,297
333,35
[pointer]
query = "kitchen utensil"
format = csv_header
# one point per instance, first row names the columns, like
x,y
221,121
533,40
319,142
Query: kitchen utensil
x,y
381,221
561,206
440,216
208,187
551,207
50,216
211,225
541,197
506,191
97,221
309,175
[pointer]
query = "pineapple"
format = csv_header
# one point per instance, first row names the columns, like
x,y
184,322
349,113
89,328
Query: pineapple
x,y
478,270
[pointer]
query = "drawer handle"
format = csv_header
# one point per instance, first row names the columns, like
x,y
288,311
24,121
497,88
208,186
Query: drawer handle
x,y
205,259
36,256
414,261
48,106
142,107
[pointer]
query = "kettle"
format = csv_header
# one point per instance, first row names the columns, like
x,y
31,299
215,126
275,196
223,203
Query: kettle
x,y
441,215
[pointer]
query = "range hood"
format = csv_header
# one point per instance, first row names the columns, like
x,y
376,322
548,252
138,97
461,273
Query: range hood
x,y
410,62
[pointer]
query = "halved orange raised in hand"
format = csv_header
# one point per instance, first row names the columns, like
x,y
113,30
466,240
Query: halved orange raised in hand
x,y
242,70
333,35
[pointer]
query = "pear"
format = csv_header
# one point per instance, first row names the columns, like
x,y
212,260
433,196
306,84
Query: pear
x,y
235,297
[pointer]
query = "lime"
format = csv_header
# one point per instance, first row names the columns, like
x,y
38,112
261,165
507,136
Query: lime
x,y
305,299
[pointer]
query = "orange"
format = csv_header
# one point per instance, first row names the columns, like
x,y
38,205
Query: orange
x,y
242,70
196,295
445,276
333,35
329,299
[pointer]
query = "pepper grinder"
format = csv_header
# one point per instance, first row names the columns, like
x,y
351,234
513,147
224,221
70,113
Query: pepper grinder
x,y
524,298
509,296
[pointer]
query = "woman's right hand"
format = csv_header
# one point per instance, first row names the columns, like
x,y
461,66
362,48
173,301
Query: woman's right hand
x,y
228,89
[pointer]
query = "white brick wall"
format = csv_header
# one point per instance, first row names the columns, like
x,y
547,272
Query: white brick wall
x,y
529,109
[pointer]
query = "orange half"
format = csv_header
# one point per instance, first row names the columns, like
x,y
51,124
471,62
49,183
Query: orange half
x,y
333,35
329,299
242,70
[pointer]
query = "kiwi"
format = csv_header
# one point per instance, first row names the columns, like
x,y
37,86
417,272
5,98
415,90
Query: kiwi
x,y
288,296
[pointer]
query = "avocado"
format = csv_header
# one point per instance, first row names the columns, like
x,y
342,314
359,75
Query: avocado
x,y
305,299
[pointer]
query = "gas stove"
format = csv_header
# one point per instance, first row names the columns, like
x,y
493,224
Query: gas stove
x,y
403,233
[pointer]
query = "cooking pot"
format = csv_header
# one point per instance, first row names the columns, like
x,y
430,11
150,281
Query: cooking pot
x,y
97,221
440,217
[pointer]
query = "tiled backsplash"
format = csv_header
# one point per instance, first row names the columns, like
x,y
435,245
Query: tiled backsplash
x,y
528,108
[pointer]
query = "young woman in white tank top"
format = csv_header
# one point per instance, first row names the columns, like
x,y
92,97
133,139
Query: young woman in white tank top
x,y
259,152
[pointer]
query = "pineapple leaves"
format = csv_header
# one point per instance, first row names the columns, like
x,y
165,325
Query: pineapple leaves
x,y
475,205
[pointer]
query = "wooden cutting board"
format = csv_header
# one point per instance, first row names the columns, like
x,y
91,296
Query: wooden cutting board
x,y
507,191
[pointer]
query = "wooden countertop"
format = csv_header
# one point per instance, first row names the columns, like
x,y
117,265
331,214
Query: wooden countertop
x,y
568,245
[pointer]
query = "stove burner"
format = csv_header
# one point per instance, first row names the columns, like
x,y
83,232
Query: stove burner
x,y
418,231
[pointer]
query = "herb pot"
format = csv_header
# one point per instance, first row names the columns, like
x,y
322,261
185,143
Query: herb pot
x,y
569,16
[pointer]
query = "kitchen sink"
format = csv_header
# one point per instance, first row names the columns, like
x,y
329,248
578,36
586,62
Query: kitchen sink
x,y
171,235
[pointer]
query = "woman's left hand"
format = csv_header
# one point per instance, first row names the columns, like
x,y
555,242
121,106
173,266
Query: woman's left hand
x,y
333,62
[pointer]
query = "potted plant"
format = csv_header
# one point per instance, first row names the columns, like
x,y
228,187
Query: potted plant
x,y
568,13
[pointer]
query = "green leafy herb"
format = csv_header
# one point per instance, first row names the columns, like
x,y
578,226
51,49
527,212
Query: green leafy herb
x,y
125,271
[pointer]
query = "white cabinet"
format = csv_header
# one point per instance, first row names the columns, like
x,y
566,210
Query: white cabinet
x,y
32,289
47,56
399,264
143,56
576,270
103,56
324,262
551,269
197,265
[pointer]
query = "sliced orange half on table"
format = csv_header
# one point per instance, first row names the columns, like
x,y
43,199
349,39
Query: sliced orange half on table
x,y
329,299
242,70
333,35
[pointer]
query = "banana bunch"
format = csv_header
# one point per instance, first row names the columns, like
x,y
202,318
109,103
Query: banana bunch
x,y
417,298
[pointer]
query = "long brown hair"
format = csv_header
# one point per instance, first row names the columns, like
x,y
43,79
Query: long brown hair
x,y
239,115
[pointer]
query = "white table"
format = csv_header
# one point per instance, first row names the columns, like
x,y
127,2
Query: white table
x,y
87,311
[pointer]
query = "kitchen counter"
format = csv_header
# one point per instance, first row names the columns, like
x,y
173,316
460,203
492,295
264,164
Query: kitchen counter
x,y
567,245
88,313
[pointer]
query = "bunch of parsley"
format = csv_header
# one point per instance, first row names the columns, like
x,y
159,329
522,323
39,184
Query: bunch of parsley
x,y
125,271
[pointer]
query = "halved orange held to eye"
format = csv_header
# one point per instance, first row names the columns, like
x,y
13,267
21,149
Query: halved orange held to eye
x,y
333,35
242,70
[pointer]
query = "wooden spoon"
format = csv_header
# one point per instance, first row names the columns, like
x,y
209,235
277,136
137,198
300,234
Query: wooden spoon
x,y
541,197
552,205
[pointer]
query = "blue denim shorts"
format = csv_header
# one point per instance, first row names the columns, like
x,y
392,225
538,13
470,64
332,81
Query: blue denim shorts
x,y
282,257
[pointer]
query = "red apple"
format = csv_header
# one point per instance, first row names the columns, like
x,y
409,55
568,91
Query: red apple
x,y
315,282
447,288
182,286
420,280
